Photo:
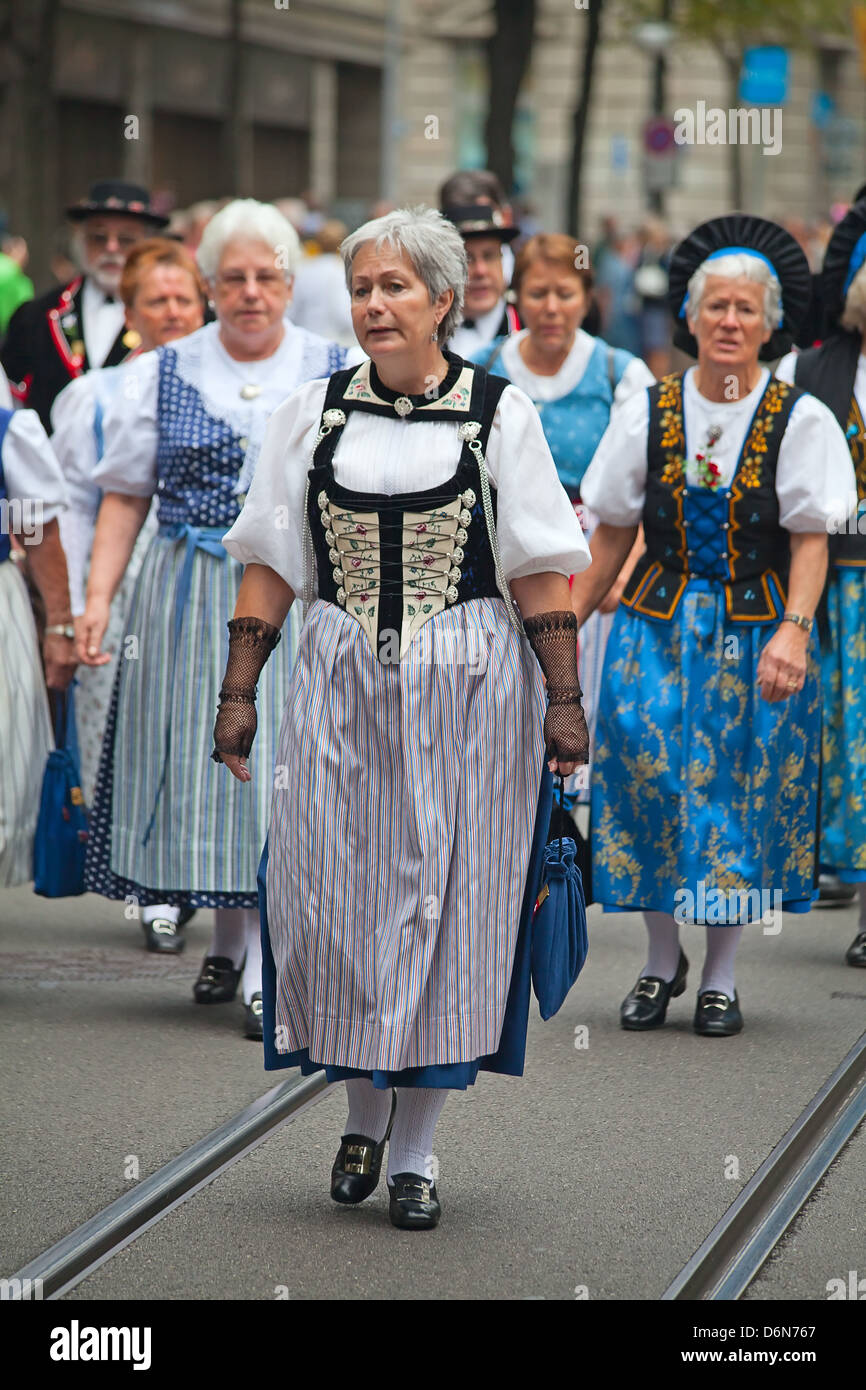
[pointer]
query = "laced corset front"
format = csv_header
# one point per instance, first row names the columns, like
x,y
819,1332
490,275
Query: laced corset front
x,y
395,561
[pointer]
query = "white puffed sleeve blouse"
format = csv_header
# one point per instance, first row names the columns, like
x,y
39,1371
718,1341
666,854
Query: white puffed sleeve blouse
x,y
813,473
536,526
30,466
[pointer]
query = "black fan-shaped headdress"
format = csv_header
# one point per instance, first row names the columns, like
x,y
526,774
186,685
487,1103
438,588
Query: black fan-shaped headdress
x,y
743,232
845,254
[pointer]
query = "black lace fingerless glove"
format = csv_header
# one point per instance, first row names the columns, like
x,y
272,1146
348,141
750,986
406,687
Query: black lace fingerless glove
x,y
251,641
553,637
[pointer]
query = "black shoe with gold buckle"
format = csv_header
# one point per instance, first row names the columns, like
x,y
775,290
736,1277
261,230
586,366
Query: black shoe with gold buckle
x,y
414,1203
253,1015
717,1015
356,1169
164,936
647,1004
217,982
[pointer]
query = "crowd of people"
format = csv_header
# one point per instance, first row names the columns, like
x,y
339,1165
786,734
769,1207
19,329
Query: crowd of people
x,y
520,545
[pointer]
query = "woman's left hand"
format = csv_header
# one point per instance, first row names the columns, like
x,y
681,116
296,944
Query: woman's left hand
x,y
782,663
566,737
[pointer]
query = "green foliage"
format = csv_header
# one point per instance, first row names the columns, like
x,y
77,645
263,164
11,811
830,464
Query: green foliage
x,y
739,23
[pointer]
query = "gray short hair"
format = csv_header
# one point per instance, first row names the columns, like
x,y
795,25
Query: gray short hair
x,y
732,267
259,222
432,244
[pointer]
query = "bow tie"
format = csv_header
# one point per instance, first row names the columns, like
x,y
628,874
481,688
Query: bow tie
x,y
469,323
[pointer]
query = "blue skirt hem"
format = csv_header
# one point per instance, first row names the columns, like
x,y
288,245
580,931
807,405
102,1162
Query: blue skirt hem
x,y
789,905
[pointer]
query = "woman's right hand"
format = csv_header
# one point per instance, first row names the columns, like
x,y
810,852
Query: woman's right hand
x,y
237,766
90,631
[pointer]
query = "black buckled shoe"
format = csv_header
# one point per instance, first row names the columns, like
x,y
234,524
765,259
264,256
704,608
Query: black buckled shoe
x,y
856,953
414,1203
164,936
717,1015
358,1164
832,892
217,982
647,1004
253,1028
186,915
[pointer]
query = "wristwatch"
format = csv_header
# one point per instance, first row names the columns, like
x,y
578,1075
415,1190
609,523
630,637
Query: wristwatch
x,y
61,630
805,623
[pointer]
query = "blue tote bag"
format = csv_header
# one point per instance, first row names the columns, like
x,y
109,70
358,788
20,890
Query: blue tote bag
x,y
61,830
559,937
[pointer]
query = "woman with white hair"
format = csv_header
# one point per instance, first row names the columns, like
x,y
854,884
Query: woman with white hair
x,y
705,789
412,740
835,372
187,428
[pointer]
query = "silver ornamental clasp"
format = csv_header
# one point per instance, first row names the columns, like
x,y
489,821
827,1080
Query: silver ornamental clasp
x,y
333,418
403,406
469,429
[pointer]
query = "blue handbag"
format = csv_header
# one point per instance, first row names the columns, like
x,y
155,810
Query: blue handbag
x,y
559,937
61,830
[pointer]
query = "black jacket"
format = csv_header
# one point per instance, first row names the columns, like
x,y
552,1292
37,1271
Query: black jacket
x,y
44,348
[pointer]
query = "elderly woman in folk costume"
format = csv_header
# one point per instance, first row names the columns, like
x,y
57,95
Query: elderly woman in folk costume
x,y
835,372
575,382
165,297
187,430
32,496
413,740
706,767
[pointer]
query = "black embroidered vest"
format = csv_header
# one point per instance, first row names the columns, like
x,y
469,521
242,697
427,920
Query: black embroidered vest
x,y
393,561
829,372
848,545
729,535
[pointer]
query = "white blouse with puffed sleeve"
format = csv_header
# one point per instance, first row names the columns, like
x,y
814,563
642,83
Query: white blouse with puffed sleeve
x,y
536,526
813,474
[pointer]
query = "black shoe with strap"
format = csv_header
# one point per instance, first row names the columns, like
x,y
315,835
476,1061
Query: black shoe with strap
x,y
358,1164
253,1016
414,1203
217,982
646,1005
717,1015
164,936
856,953
832,892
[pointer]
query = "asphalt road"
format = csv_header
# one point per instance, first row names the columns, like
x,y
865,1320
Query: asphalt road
x,y
597,1173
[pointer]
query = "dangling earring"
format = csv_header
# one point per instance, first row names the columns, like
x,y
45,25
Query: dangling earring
x,y
434,336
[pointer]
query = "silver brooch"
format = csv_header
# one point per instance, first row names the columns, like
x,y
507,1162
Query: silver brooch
x,y
403,406
322,499
469,429
250,391
333,418
468,498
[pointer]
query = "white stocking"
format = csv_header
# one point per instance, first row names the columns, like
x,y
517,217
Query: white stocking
x,y
411,1147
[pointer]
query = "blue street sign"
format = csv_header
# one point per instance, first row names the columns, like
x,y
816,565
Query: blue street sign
x,y
619,153
764,77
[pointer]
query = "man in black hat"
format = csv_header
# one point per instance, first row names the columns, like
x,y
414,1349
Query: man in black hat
x,y
486,312
64,333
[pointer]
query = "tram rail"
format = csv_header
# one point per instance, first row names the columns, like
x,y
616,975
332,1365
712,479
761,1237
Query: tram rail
x,y
721,1268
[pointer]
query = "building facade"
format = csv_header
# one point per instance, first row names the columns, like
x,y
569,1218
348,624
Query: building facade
x,y
360,100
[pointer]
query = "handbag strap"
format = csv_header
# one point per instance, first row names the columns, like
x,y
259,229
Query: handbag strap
x,y
59,702
561,780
